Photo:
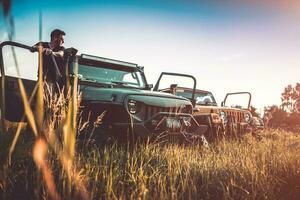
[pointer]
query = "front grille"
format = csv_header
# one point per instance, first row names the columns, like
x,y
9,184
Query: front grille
x,y
171,119
237,117
150,111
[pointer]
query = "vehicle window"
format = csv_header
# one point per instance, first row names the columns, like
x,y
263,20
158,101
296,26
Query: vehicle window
x,y
201,98
204,100
184,94
130,77
27,63
111,76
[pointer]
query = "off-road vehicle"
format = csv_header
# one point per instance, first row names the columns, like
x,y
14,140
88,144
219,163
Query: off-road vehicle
x,y
221,120
117,87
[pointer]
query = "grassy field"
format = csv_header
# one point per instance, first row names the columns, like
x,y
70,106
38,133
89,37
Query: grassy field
x,y
49,163
264,168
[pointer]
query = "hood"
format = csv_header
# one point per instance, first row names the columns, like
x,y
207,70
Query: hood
x,y
118,95
216,109
207,109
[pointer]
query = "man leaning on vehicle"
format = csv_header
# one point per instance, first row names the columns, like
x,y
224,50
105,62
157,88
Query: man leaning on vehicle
x,y
53,57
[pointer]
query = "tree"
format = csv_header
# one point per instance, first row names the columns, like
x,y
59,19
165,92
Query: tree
x,y
254,112
287,115
275,117
291,98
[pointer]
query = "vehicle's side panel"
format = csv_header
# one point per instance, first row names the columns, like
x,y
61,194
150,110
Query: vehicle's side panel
x,y
14,108
18,65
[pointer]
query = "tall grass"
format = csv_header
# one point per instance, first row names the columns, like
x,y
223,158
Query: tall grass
x,y
53,166
246,169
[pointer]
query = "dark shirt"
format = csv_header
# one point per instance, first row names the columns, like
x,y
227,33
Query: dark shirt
x,y
49,70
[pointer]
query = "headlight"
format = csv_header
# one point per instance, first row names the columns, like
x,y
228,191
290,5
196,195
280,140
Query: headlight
x,y
247,117
223,116
187,109
215,118
132,106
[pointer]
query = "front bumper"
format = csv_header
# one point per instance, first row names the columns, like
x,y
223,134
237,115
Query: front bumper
x,y
164,122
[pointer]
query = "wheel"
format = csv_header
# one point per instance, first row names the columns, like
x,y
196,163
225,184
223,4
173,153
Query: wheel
x,y
94,136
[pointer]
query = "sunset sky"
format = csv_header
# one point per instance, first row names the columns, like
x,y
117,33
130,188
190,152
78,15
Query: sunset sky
x,y
234,46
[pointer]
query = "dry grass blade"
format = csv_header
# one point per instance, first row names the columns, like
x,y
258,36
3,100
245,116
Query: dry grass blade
x,y
6,6
69,128
74,176
27,108
75,99
99,119
69,135
18,131
40,92
2,104
39,155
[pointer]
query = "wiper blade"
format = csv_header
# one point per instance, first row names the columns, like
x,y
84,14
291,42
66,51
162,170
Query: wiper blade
x,y
94,82
88,80
82,78
123,84
119,83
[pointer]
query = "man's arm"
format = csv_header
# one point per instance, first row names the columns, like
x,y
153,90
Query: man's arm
x,y
49,51
58,53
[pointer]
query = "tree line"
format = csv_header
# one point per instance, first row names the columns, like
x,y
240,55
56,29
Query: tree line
x,y
287,115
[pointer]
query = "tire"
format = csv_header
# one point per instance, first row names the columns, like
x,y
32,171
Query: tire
x,y
94,136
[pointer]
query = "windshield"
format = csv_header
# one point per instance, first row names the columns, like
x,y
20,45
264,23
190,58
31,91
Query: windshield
x,y
201,98
124,77
205,99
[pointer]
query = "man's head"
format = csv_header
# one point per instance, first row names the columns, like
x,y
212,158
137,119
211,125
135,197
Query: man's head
x,y
57,37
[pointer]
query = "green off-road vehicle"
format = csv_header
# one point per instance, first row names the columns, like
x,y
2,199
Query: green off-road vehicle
x,y
115,87
224,120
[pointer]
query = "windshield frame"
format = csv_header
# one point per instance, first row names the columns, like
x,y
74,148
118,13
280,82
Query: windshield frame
x,y
114,65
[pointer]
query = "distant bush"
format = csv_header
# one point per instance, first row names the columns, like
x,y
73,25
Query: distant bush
x,y
287,115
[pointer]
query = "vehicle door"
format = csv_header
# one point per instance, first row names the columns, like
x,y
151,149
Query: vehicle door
x,y
237,99
172,82
17,62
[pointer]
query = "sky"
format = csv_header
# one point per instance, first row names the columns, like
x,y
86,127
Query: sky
x,y
228,46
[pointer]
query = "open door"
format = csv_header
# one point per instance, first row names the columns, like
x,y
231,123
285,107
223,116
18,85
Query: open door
x,y
170,82
17,61
237,99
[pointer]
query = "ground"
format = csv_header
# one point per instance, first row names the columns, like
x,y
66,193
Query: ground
x,y
251,168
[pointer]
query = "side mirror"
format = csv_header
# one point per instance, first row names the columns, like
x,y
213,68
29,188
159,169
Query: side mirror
x,y
173,88
149,86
